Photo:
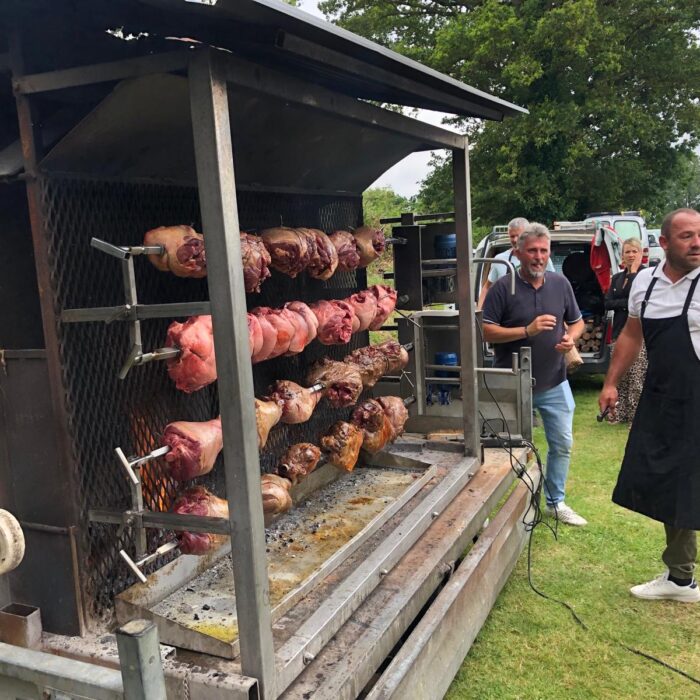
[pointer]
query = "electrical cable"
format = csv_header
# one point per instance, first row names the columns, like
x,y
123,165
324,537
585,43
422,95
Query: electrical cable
x,y
537,519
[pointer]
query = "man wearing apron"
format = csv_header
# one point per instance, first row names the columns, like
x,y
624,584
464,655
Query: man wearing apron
x,y
660,474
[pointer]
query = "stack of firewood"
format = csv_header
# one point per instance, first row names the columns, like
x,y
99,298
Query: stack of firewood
x,y
592,337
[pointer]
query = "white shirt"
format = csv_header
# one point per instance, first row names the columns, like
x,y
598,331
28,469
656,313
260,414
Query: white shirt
x,y
667,299
498,271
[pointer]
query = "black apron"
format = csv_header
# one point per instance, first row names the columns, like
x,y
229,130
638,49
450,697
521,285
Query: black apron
x,y
660,474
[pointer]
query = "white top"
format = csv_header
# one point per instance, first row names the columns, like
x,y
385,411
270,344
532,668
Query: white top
x,y
498,271
667,299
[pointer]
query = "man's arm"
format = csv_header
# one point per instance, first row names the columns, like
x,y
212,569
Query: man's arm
x,y
501,334
494,333
627,349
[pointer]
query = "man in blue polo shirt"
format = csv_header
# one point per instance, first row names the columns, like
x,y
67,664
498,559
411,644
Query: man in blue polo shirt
x,y
535,316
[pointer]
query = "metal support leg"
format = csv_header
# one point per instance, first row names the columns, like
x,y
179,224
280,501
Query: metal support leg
x,y
139,659
525,393
217,198
465,298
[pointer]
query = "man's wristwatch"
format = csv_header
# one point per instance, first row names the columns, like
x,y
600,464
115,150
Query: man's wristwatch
x,y
527,335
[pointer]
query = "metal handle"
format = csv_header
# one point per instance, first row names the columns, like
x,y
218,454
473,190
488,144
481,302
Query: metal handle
x,y
130,462
135,566
499,261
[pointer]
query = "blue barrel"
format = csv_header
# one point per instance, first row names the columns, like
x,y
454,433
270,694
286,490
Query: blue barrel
x,y
445,245
445,390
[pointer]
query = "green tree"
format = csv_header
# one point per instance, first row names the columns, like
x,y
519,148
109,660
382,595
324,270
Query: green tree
x,y
613,90
682,191
383,202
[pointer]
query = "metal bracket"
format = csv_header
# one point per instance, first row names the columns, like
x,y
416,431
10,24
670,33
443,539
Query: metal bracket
x,y
126,254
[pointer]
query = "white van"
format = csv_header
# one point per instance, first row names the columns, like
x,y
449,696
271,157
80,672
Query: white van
x,y
628,224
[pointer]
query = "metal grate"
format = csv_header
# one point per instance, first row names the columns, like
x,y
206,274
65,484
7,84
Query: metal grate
x,y
105,412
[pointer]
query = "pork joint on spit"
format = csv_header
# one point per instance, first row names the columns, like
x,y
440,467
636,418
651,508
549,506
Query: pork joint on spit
x,y
194,447
256,261
342,445
299,461
197,500
195,365
183,250
275,494
267,415
343,382
381,421
370,243
297,402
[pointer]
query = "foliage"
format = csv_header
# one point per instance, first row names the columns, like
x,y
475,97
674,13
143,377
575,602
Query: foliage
x,y
383,202
532,648
613,91
682,191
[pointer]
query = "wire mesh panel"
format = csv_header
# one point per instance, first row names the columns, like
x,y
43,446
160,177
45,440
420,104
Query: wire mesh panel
x,y
105,412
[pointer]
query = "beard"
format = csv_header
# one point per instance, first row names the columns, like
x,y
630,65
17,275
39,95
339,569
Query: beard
x,y
534,272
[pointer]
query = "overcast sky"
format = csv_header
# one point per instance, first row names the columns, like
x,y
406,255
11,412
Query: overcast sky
x,y
406,175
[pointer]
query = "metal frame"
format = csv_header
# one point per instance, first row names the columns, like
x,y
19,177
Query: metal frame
x,y
36,674
31,152
210,74
465,298
217,192
431,656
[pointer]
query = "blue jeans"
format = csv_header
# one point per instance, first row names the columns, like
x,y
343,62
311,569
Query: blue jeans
x,y
556,407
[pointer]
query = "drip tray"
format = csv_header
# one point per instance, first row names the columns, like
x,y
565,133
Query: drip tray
x,y
192,600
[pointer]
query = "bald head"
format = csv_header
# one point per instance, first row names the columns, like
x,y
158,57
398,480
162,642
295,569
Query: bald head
x,y
667,223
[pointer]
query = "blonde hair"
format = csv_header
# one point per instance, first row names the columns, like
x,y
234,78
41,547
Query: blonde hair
x,y
632,243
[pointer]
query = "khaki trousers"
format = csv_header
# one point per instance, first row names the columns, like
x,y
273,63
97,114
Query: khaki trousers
x,y
681,552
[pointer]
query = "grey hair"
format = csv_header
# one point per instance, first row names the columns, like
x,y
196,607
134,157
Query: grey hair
x,y
517,222
533,230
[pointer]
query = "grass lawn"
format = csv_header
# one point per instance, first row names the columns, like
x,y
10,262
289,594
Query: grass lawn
x,y
532,649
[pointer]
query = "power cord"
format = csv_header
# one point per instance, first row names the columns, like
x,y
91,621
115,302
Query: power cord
x,y
537,519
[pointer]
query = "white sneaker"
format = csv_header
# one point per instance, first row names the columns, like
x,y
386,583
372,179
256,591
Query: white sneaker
x,y
565,515
663,589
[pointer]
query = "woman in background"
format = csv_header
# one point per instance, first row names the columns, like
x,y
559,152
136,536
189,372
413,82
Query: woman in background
x,y
630,387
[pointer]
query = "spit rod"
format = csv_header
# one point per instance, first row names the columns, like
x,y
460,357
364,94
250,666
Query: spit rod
x,y
395,240
125,252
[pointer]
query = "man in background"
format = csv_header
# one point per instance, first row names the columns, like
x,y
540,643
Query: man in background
x,y
660,473
515,228
537,315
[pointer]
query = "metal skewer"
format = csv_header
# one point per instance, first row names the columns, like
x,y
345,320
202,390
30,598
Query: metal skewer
x,y
135,566
124,252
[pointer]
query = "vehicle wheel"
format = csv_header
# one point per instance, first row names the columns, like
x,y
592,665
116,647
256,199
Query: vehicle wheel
x,y
11,542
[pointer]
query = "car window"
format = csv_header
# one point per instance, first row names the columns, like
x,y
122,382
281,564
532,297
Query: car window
x,y
652,239
628,229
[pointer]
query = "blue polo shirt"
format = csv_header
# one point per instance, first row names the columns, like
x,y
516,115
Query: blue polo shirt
x,y
554,297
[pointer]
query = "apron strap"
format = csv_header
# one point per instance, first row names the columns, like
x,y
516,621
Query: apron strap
x,y
689,298
645,301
